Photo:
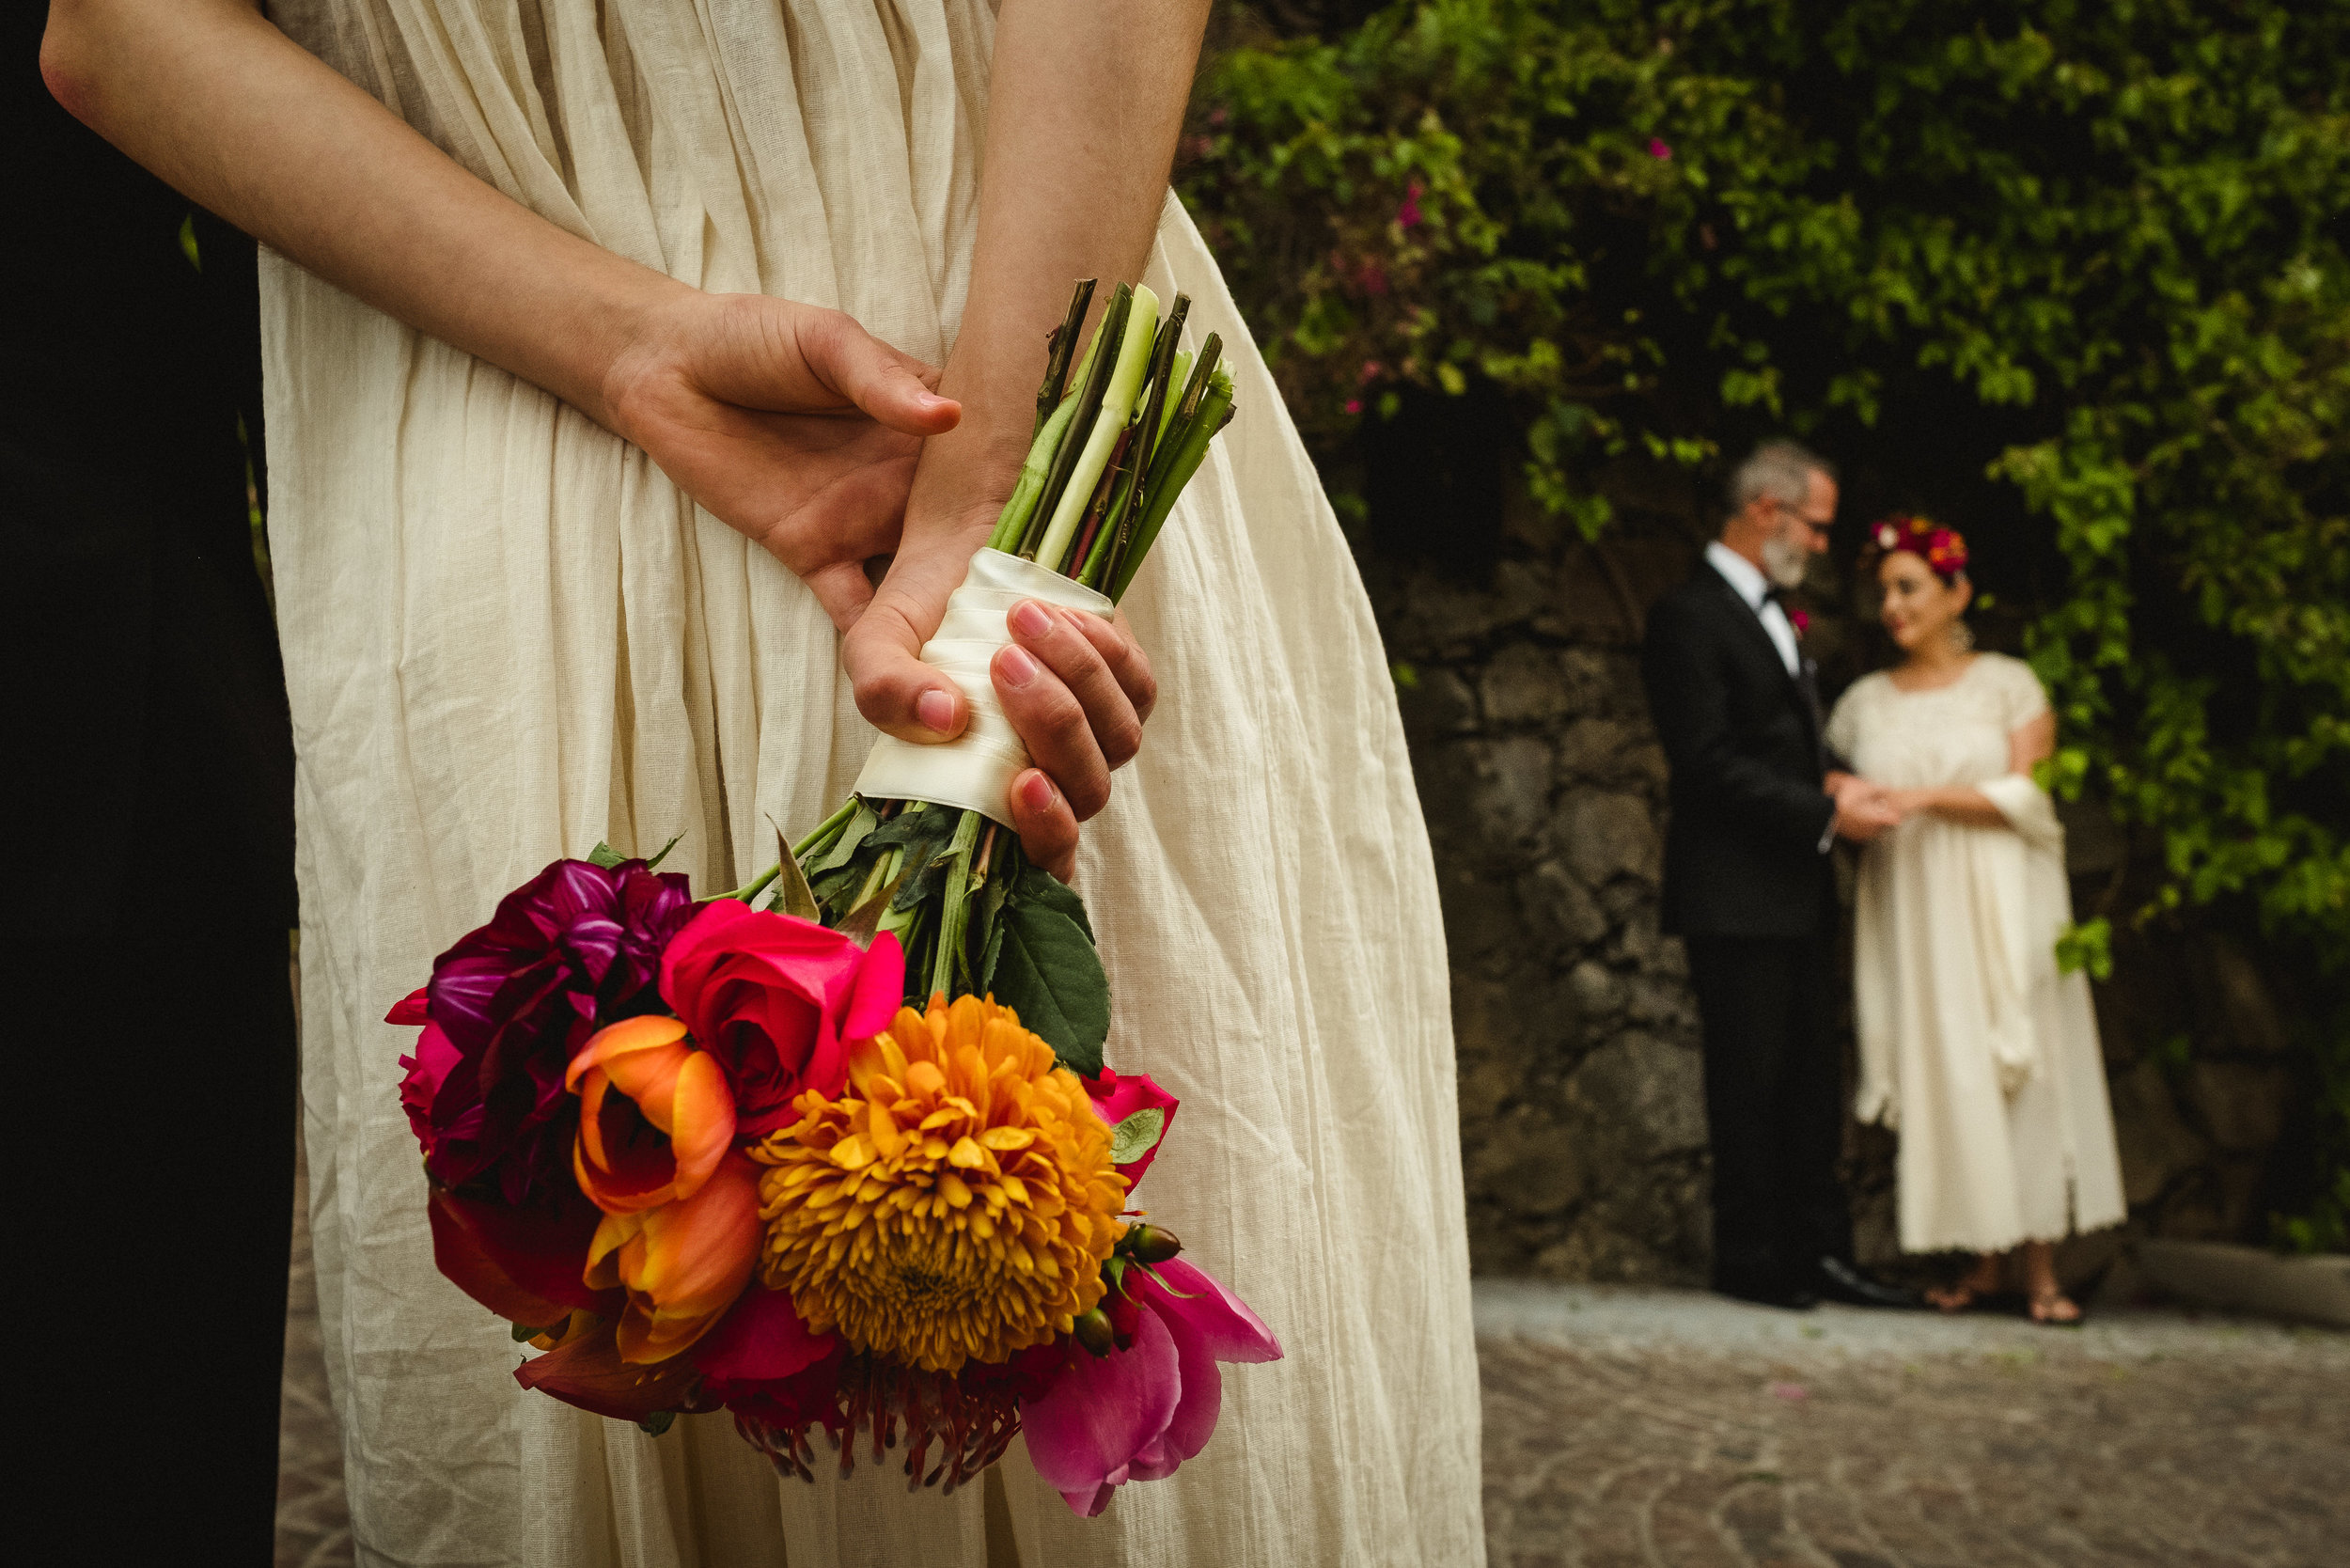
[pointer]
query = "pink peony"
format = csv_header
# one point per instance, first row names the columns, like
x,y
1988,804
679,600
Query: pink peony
x,y
1138,1413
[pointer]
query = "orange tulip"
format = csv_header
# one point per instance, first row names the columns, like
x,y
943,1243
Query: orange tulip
x,y
683,1265
660,1136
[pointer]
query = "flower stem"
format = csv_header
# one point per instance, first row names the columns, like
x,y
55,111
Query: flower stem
x,y
955,903
1137,334
1058,349
826,832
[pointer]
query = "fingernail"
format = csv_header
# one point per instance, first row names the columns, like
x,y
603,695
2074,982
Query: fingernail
x,y
1036,791
937,710
1019,669
1030,621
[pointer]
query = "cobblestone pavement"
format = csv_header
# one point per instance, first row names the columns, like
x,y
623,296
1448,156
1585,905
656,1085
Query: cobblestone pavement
x,y
1673,1428
1667,1428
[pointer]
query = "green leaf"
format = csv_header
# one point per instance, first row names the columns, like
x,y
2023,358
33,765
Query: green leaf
x,y
866,918
846,845
1048,972
1134,1138
1043,889
606,855
792,895
657,860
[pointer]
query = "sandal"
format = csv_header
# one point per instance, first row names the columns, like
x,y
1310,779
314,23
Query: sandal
x,y
2055,1309
1967,1291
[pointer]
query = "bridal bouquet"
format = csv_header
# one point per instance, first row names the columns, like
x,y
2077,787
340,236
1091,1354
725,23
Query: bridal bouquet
x,y
837,1150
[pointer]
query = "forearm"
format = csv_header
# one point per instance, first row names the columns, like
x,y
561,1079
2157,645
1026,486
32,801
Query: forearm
x,y
1957,803
1085,102
234,115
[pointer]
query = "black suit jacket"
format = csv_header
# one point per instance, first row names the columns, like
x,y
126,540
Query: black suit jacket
x,y
1742,855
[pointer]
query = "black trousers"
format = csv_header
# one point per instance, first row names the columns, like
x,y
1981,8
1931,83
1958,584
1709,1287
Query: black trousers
x,y
1774,1106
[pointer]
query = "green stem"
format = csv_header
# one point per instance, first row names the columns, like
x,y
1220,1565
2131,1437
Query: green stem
x,y
1177,461
1028,489
1138,334
955,905
826,832
1062,344
757,885
1102,361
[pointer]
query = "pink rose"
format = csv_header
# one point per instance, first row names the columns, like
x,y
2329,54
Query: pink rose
x,y
779,1000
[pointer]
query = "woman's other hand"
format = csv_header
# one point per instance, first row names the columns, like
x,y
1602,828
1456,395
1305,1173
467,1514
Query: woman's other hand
x,y
792,424
1077,688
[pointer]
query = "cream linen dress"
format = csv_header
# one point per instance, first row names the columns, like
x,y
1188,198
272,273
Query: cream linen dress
x,y
1972,1046
507,637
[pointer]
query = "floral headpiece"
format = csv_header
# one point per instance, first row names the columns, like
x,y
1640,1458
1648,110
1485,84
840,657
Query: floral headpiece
x,y
1942,549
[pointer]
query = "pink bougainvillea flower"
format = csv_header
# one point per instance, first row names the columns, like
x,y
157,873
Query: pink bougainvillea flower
x,y
1118,1097
1138,1413
1409,215
1354,405
654,1116
778,1001
682,1265
1657,147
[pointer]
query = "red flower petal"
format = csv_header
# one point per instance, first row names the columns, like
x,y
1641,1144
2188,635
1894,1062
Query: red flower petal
x,y
409,1009
760,1341
589,1373
522,1265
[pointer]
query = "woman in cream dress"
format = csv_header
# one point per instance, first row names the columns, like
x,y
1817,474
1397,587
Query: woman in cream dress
x,y
575,466
1973,1048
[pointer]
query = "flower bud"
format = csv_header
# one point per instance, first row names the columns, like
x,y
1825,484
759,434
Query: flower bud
x,y
1092,1330
1155,1245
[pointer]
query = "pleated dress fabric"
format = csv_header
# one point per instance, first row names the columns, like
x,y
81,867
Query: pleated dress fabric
x,y
1973,1046
507,637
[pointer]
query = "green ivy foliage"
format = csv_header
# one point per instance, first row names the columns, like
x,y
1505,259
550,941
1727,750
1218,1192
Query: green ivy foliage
x,y
2119,226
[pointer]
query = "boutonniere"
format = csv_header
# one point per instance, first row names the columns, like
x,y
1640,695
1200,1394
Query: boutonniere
x,y
1801,621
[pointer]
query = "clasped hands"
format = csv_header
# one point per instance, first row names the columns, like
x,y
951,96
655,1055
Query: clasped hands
x,y
1865,809
800,430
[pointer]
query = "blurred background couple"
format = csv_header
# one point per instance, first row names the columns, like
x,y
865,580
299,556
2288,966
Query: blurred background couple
x,y
1973,1048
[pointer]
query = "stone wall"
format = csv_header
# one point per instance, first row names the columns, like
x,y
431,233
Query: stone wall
x,y
1582,1129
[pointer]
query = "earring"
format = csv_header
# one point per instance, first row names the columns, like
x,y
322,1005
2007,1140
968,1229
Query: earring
x,y
1962,637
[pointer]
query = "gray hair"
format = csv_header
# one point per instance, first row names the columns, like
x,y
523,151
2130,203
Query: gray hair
x,y
1782,470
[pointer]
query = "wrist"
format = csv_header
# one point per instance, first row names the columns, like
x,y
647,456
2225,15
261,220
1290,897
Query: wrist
x,y
615,367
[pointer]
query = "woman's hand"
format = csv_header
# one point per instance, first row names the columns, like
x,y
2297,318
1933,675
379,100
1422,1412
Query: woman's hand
x,y
1077,688
792,424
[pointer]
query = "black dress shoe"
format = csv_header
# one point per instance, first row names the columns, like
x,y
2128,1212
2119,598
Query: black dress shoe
x,y
1794,1298
1839,1281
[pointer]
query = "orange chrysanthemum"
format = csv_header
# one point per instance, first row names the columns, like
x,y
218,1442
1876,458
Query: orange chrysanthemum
x,y
955,1204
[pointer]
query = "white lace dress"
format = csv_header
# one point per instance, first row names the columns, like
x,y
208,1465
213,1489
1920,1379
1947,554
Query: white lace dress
x,y
508,637
1972,1046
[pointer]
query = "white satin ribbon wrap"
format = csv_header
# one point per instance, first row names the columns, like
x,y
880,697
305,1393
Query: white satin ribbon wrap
x,y
975,770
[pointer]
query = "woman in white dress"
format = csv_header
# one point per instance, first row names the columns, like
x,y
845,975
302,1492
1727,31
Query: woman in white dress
x,y
1973,1048
575,463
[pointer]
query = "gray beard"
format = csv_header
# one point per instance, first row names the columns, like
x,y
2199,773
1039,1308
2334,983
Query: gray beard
x,y
1785,561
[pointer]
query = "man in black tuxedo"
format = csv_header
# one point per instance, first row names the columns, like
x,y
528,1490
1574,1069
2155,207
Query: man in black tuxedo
x,y
1756,805
151,866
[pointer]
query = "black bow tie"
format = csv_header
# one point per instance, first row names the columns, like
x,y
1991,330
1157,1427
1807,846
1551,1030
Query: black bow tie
x,y
1773,594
